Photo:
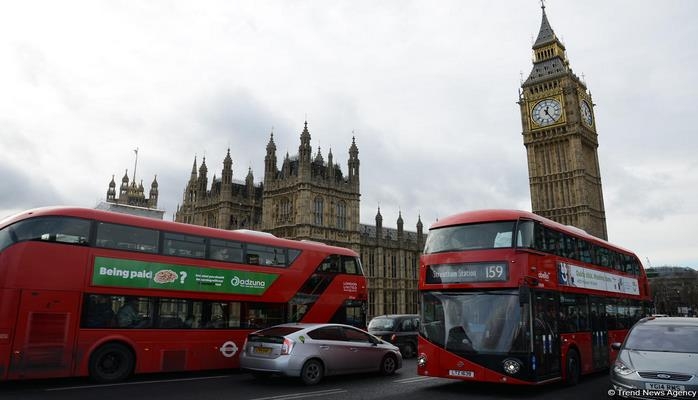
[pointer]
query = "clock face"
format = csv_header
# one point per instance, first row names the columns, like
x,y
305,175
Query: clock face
x,y
586,113
546,112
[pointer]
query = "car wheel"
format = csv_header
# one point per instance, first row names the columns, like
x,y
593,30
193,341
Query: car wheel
x,y
388,365
572,364
110,363
407,350
312,372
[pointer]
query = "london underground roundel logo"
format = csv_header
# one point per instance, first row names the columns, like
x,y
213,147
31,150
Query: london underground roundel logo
x,y
229,349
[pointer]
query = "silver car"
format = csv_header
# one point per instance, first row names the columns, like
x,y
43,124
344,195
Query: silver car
x,y
312,351
659,359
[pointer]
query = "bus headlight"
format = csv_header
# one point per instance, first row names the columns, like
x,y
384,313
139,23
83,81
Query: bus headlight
x,y
511,366
422,360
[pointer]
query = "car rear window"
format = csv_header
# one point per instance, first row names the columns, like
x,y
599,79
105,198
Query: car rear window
x,y
272,335
381,324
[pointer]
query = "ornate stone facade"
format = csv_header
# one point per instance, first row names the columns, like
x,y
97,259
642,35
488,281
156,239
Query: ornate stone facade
x,y
310,198
559,132
132,194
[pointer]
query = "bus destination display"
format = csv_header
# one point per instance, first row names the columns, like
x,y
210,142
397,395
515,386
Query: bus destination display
x,y
467,272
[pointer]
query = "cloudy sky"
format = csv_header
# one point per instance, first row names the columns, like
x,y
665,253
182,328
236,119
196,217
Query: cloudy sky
x,y
428,89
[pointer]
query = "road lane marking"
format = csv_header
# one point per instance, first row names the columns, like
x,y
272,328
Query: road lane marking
x,y
302,395
415,379
135,383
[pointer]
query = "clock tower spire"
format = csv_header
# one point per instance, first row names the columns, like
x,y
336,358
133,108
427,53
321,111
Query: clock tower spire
x,y
559,132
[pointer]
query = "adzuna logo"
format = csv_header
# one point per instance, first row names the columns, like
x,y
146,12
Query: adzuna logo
x,y
247,283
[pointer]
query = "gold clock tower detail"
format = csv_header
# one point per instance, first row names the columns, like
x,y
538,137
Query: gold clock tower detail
x,y
559,132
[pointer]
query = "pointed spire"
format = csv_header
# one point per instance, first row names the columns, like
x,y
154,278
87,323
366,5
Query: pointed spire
x,y
271,146
353,150
305,134
111,192
203,169
193,170
304,152
227,174
545,34
318,156
400,225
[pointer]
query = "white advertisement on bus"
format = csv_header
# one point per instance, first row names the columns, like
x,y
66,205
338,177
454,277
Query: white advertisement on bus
x,y
573,275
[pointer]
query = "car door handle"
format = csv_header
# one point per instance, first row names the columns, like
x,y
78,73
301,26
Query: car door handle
x,y
324,347
354,349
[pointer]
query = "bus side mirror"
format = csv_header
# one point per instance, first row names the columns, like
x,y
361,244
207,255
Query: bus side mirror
x,y
524,294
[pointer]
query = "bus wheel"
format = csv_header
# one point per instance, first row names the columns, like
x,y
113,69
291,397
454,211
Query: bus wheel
x,y
388,365
112,362
572,365
312,372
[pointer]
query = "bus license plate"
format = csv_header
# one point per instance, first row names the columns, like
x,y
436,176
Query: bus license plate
x,y
464,374
262,350
664,386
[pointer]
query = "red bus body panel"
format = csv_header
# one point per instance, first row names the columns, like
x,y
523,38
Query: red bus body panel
x,y
527,267
42,285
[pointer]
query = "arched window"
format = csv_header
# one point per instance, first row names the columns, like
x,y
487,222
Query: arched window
x,y
318,210
284,210
341,215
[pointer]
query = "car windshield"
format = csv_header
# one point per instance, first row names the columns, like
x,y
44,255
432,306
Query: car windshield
x,y
663,337
381,324
475,322
470,237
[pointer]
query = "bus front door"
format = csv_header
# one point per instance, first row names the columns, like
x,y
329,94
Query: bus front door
x,y
599,334
546,339
44,334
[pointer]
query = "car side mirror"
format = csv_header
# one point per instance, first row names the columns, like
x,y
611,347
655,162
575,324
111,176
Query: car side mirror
x,y
615,346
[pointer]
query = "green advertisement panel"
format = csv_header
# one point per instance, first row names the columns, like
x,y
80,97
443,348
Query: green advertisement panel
x,y
152,275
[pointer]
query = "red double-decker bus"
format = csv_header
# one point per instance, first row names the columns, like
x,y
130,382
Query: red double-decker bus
x,y
94,293
508,296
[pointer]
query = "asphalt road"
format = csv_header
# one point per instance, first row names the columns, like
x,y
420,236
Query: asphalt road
x,y
405,385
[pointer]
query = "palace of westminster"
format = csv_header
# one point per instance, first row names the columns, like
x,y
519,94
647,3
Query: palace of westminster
x,y
310,197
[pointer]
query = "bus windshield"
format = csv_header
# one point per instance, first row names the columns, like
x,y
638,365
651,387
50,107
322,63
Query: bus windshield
x,y
475,322
470,237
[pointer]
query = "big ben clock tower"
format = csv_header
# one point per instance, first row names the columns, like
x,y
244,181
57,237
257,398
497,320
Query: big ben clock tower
x,y
559,132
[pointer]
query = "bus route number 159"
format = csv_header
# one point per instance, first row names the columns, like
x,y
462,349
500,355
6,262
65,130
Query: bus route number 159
x,y
495,272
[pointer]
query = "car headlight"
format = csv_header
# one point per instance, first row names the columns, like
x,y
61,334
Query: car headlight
x,y
422,360
621,369
511,366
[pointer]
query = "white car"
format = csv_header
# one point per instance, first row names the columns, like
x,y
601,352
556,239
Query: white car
x,y
312,351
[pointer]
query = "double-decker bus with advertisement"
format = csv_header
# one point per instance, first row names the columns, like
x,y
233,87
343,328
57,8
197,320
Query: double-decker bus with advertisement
x,y
94,293
508,296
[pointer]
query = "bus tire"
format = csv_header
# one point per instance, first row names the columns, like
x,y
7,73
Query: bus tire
x,y
572,368
312,372
112,362
388,365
